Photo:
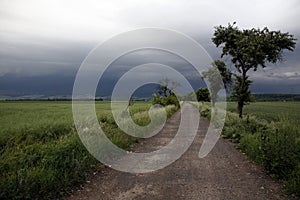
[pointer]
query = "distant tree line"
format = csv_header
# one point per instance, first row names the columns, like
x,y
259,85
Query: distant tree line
x,y
47,99
276,97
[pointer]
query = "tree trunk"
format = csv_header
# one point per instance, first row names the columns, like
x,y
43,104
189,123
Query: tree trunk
x,y
213,99
244,90
240,109
213,103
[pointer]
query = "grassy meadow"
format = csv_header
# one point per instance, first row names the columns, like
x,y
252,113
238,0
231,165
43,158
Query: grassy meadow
x,y
42,156
270,111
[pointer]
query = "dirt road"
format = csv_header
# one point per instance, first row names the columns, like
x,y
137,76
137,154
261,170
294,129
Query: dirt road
x,y
224,174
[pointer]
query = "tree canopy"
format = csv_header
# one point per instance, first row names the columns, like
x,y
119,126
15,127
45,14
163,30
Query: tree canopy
x,y
213,74
166,93
249,49
203,94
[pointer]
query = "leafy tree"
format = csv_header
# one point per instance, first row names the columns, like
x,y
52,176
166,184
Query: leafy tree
x,y
203,94
167,87
166,93
249,49
213,75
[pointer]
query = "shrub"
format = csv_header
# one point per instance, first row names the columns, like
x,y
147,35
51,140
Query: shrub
x,y
170,99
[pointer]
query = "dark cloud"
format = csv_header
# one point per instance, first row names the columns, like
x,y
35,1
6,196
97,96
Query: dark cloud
x,y
43,45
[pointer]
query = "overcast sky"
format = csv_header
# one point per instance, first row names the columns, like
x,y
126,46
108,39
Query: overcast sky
x,y
43,42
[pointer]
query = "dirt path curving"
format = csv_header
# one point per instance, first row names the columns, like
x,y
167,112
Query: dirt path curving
x,y
224,174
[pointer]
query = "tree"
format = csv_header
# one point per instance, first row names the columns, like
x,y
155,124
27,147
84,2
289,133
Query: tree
x,y
212,74
203,94
166,93
167,87
249,49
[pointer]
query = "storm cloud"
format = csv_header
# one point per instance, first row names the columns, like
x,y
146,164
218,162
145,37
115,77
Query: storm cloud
x,y
43,43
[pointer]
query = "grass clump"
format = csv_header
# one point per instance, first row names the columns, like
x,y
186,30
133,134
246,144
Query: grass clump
x,y
34,169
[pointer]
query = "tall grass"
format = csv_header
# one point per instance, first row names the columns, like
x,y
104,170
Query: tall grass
x,y
274,145
41,154
271,139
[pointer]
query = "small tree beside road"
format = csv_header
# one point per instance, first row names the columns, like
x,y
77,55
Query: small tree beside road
x,y
249,49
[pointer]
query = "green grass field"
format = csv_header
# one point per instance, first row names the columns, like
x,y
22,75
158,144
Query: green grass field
x,y
270,110
41,154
